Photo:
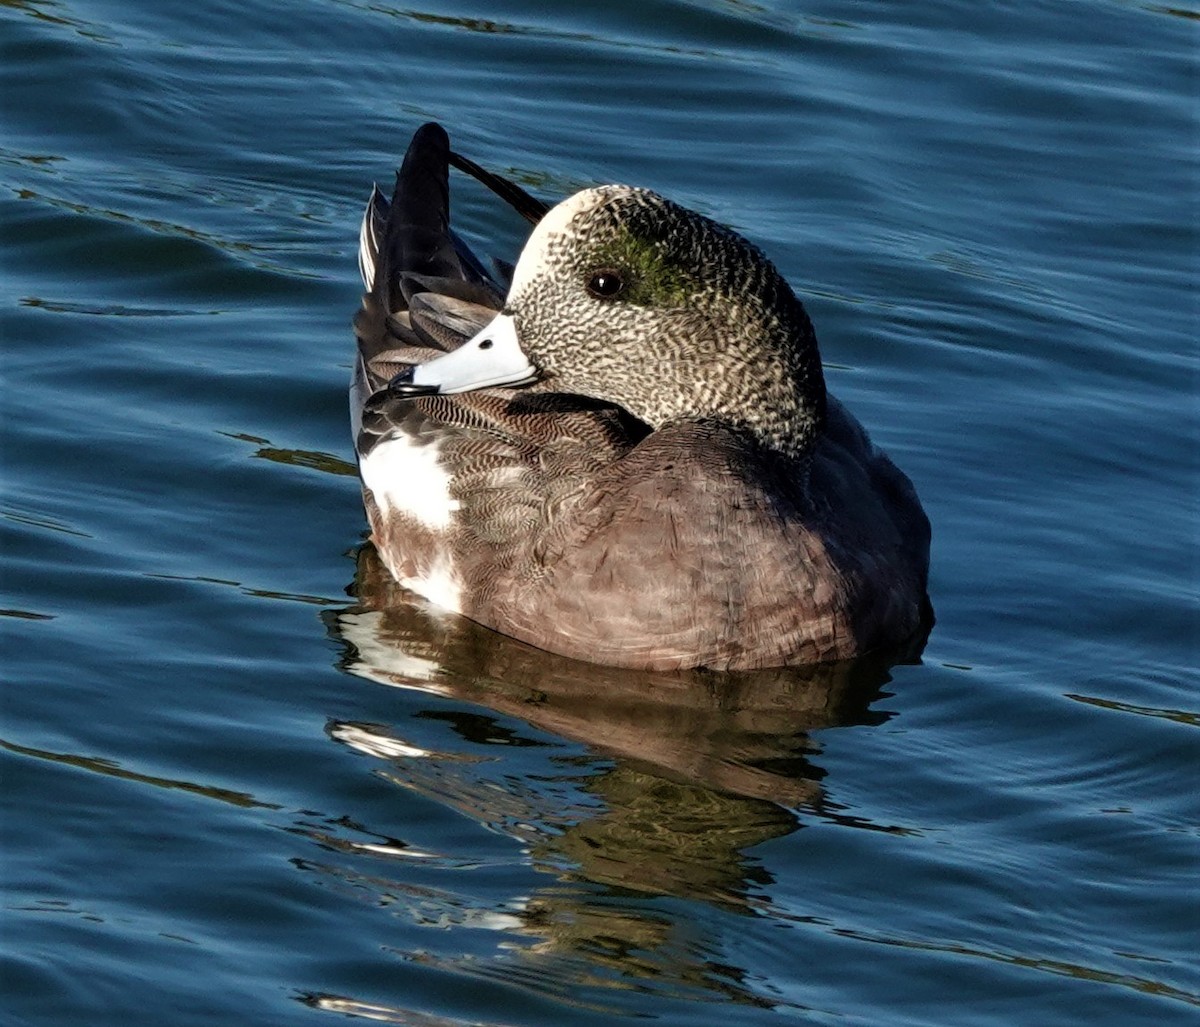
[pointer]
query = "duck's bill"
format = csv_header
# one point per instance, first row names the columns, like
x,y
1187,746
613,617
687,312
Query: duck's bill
x,y
490,358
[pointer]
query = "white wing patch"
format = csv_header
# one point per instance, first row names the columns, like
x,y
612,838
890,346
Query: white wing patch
x,y
368,244
405,477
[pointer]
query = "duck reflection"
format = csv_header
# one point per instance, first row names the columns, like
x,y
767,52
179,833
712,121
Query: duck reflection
x,y
688,771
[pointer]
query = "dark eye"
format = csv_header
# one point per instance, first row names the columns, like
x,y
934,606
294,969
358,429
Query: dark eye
x,y
605,284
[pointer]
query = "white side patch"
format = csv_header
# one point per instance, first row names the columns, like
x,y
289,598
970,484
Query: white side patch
x,y
405,477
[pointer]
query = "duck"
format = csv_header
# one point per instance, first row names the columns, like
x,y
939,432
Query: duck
x,y
619,449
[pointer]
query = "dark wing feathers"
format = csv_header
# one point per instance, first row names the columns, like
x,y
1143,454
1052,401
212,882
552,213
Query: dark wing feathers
x,y
529,207
415,267
417,236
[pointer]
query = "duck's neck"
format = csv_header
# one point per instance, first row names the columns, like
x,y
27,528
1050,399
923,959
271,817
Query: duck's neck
x,y
775,390
790,415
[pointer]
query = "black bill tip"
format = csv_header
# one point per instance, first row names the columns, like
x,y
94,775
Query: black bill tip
x,y
403,386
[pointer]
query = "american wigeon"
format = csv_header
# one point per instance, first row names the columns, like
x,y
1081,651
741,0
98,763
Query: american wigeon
x,y
628,456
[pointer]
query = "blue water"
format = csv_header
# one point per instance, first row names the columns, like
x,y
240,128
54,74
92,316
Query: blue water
x,y
245,782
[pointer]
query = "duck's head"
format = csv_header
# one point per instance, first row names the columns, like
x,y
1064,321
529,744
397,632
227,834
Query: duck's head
x,y
624,296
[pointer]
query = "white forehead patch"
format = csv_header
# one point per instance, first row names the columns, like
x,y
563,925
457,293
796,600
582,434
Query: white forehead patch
x,y
555,222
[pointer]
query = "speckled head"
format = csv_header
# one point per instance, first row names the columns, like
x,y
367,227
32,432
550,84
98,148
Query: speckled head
x,y
623,295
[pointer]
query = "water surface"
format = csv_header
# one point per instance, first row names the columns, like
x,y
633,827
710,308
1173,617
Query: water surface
x,y
246,781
